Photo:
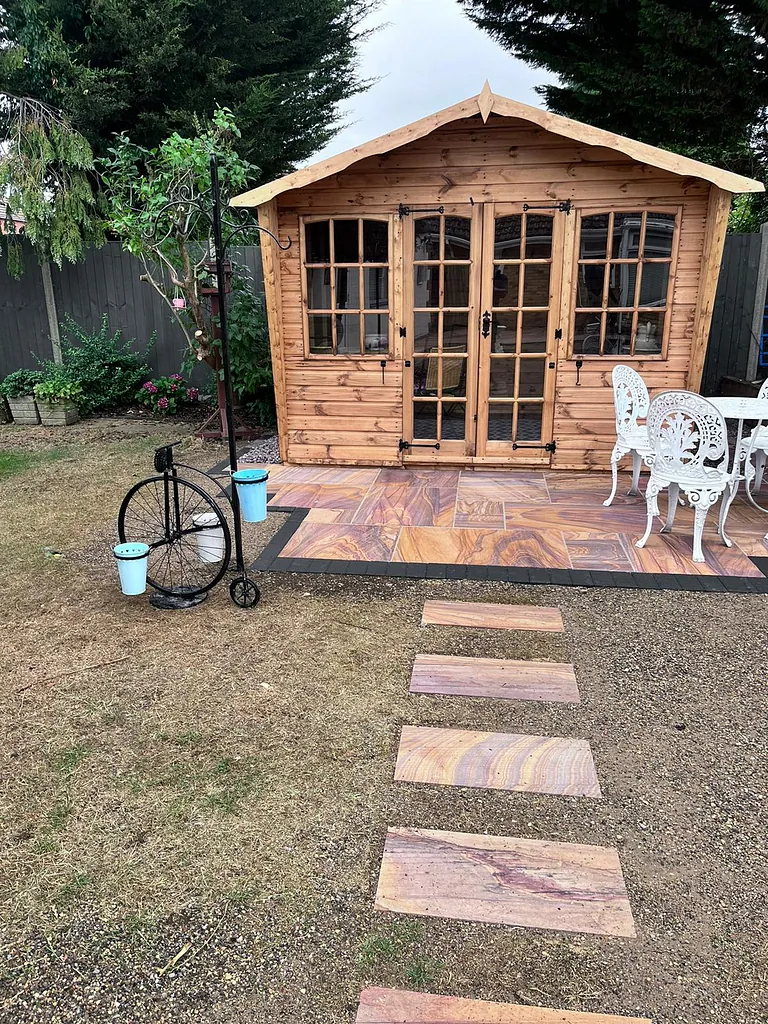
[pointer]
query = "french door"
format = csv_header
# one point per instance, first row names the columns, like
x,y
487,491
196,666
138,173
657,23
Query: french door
x,y
482,297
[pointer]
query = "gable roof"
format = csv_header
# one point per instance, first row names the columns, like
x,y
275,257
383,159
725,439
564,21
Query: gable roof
x,y
485,104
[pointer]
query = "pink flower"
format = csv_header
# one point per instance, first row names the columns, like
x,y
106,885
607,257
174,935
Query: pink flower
x,y
162,403
193,394
150,387
176,376
174,387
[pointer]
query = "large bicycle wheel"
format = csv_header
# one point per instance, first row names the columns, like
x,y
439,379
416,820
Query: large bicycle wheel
x,y
188,536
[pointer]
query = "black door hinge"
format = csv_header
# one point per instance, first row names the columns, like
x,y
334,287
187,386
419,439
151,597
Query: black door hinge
x,y
404,446
406,211
558,334
551,446
564,207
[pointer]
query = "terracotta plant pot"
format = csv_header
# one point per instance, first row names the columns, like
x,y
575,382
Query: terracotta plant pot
x,y
24,410
58,414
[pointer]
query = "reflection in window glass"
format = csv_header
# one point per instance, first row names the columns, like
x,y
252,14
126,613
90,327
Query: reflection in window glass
x,y
454,415
320,339
499,422
593,244
504,332
654,284
319,287
346,241
457,231
456,286
454,377
536,284
534,332
427,238
425,420
591,281
318,240
621,284
455,332
348,334
375,241
376,286
659,235
506,284
347,288
529,421
426,288
586,334
421,374
618,334
650,333
508,235
425,332
502,378
376,340
626,235
531,381
538,237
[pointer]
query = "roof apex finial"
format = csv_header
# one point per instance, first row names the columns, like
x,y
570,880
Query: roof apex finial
x,y
485,100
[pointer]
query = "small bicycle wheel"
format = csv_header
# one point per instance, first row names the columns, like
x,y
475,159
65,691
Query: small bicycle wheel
x,y
188,536
244,592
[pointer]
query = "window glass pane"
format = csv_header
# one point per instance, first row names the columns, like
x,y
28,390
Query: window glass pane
x,y
456,286
594,237
425,332
318,243
529,421
653,284
346,248
536,284
538,237
507,240
320,334
348,334
659,232
376,333
425,420
650,333
376,287
626,235
502,378
457,238
454,415
499,422
534,335
618,334
504,332
348,288
319,287
621,284
506,285
375,241
454,377
586,334
426,286
427,238
590,285
455,332
531,383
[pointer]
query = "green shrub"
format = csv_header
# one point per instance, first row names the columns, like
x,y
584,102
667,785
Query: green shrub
x,y
58,385
20,383
107,369
166,395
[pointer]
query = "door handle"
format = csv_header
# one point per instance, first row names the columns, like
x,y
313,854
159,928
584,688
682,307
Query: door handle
x,y
486,324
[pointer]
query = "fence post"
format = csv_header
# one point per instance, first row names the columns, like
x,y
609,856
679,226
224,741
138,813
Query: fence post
x,y
50,309
761,296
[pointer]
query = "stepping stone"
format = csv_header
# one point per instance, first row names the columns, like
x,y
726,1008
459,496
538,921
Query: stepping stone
x,y
496,760
494,677
492,616
504,880
393,1006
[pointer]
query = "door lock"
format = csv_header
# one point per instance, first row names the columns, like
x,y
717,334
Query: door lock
x,y
486,324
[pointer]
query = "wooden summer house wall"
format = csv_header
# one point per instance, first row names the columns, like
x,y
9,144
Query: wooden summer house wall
x,y
340,410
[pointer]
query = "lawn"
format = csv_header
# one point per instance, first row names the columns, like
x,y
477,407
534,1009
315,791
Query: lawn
x,y
195,803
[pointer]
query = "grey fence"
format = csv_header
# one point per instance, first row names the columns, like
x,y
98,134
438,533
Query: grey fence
x,y
107,281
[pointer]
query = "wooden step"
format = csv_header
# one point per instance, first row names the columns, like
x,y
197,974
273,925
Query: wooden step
x,y
492,616
395,1006
494,677
504,880
495,760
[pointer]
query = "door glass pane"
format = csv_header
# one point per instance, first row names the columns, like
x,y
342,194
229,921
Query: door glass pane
x,y
499,422
318,242
376,333
425,420
425,377
534,334
536,284
626,235
319,287
502,378
538,237
621,284
529,421
425,332
590,284
426,286
594,237
531,384
427,238
375,241
618,334
457,231
348,333
376,287
456,285
504,332
348,288
653,284
454,415
320,333
455,332
346,241
506,285
454,377
650,333
507,240
659,234
586,334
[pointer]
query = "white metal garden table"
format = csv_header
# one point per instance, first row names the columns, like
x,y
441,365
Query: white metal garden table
x,y
741,409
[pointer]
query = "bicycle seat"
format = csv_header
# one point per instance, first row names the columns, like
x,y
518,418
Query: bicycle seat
x,y
164,457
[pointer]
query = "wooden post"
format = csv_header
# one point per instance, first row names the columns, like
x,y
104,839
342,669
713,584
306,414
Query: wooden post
x,y
268,218
50,309
761,296
718,211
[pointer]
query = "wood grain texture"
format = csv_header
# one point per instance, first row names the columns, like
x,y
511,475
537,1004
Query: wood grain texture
x,y
463,545
504,880
342,541
494,678
493,760
492,616
396,1006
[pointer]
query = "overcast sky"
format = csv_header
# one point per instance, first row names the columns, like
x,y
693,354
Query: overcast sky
x,y
427,55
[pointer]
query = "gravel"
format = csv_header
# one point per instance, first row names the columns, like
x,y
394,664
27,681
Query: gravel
x,y
267,452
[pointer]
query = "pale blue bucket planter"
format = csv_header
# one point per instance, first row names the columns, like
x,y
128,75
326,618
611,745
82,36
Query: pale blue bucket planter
x,y
252,493
132,566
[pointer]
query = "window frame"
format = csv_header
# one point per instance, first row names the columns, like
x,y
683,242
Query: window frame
x,y
332,267
609,261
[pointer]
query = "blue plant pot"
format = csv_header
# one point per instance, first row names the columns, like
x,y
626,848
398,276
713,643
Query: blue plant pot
x,y
252,493
132,566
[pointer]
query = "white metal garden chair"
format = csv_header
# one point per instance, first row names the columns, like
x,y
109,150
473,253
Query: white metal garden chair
x,y
630,400
690,453
757,442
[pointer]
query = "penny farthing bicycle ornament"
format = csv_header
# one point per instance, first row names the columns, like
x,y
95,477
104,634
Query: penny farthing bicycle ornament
x,y
176,534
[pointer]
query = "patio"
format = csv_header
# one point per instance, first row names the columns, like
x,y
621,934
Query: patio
x,y
545,527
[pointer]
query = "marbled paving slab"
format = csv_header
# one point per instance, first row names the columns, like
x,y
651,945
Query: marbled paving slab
x,y
495,760
407,504
673,553
489,514
398,1006
442,478
519,489
592,488
320,496
494,678
603,552
492,616
545,518
340,541
473,546
504,880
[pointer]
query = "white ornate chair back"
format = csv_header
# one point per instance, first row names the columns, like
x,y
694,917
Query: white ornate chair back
x,y
686,432
763,392
630,399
